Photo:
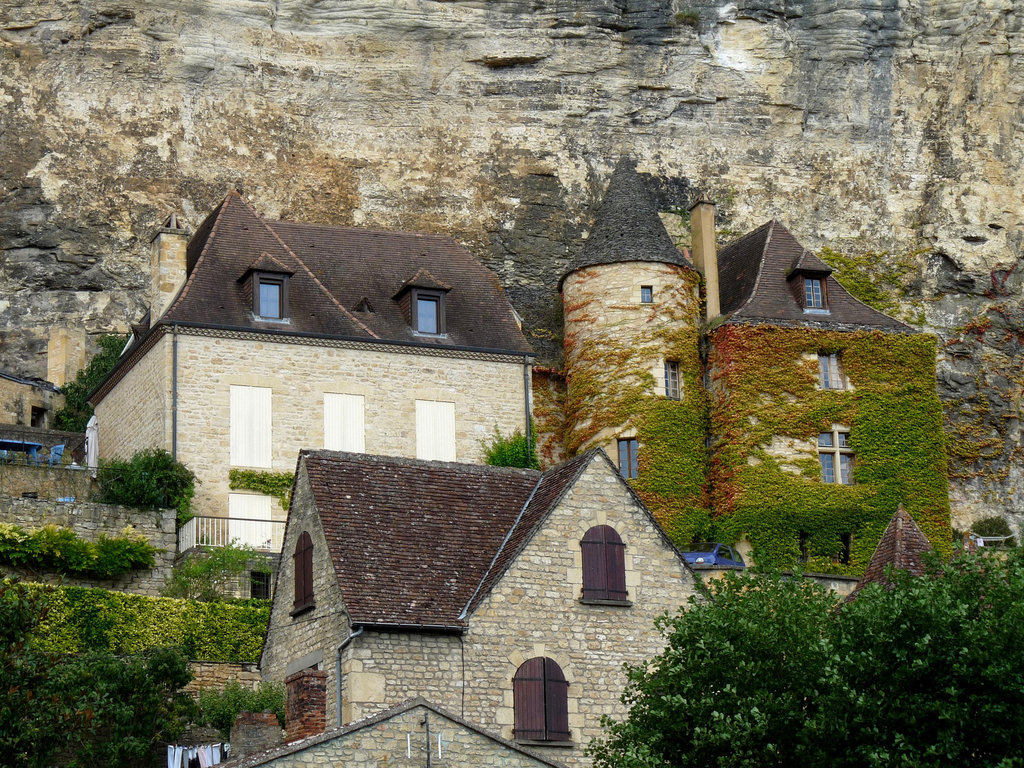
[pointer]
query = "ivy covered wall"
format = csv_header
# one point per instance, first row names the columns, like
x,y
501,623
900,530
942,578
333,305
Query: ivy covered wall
x,y
764,392
615,349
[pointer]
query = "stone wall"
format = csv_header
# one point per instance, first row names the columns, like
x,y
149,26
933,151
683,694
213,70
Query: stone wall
x,y
487,394
90,520
47,482
217,674
18,398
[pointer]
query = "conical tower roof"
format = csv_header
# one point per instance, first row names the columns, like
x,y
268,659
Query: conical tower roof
x,y
627,227
902,546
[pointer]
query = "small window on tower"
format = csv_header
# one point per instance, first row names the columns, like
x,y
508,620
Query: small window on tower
x,y
672,379
628,465
646,294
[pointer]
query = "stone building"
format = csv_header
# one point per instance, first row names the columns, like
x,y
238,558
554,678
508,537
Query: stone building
x,y
510,597
266,337
747,395
28,402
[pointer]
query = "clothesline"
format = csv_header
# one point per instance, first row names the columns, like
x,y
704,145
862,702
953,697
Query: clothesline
x,y
199,756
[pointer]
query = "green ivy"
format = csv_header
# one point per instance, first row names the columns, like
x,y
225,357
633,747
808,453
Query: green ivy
x,y
880,280
276,484
74,416
52,548
511,451
80,619
766,389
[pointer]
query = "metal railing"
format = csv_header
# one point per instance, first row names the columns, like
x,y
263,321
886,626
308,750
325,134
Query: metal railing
x,y
203,531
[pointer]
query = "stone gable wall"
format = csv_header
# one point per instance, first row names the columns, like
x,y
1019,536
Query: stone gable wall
x,y
90,520
400,741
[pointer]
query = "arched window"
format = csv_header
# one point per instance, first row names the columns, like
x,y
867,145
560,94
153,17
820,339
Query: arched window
x,y
541,701
303,560
604,564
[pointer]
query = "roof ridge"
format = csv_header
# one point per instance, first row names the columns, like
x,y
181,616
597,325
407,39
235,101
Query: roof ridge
x,y
312,276
760,263
380,458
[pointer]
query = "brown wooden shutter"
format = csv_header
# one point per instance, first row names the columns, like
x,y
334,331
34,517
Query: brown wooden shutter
x,y
604,564
556,702
303,567
528,694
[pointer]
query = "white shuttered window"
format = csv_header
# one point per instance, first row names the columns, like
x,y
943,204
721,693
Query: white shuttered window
x,y
245,511
250,426
435,430
344,429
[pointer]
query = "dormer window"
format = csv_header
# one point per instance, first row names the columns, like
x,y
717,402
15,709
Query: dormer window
x,y
270,299
814,293
428,312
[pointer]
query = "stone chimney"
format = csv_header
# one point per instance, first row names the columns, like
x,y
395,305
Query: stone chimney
x,y
306,706
705,257
65,354
168,266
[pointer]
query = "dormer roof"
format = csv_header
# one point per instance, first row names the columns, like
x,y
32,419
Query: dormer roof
x,y
754,274
333,269
627,226
423,279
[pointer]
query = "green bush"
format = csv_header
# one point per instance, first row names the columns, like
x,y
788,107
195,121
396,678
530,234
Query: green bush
x,y
152,479
511,451
80,619
994,526
75,414
219,708
60,549
209,574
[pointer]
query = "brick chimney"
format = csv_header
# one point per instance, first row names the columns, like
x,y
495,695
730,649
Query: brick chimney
x,y
168,268
705,257
254,732
306,706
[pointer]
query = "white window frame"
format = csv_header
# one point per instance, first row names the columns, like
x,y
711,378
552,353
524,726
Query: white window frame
x,y
435,430
344,422
251,431
833,448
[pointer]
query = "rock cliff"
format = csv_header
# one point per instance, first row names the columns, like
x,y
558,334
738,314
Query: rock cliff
x,y
886,130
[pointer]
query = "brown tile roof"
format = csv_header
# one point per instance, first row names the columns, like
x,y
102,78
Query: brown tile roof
x,y
332,270
754,289
627,226
901,546
413,542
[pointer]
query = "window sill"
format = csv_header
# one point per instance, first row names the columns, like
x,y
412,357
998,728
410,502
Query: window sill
x,y
541,743
430,335
278,320
601,601
816,311
302,609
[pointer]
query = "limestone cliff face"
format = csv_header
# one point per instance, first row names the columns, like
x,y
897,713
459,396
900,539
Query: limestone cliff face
x,y
888,126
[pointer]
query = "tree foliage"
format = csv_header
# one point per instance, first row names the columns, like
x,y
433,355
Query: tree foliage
x,y
81,710
771,671
511,451
220,708
75,414
151,479
210,574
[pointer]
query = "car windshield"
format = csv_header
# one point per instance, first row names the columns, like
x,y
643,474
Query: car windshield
x,y
702,547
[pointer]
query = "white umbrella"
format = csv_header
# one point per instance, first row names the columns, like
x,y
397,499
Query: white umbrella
x,y
92,444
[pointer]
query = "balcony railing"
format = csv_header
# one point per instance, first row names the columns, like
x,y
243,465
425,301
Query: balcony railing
x,y
201,531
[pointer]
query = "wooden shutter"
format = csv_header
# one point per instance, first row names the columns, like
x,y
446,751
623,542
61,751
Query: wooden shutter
x,y
528,692
303,568
435,430
244,510
250,426
604,564
556,702
344,428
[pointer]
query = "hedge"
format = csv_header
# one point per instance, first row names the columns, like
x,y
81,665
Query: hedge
x,y
84,619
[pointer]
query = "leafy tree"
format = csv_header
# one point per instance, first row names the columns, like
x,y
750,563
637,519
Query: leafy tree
x,y
210,574
771,671
75,414
152,479
84,710
219,708
511,451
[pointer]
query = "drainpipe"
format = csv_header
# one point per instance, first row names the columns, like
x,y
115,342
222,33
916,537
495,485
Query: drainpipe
x,y
526,398
174,391
337,670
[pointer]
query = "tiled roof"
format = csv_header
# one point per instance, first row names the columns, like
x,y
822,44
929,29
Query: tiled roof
x,y
413,542
332,270
627,226
901,546
752,273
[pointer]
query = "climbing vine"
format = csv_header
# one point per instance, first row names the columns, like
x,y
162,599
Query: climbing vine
x,y
765,397
276,484
610,391
880,280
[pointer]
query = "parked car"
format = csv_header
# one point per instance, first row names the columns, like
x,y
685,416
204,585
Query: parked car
x,y
713,554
